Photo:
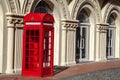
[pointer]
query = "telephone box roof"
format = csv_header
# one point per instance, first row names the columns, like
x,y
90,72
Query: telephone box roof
x,y
38,17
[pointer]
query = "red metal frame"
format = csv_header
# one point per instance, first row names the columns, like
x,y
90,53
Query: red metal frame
x,y
38,45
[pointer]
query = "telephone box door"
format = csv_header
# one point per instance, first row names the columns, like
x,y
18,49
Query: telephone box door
x,y
48,52
31,50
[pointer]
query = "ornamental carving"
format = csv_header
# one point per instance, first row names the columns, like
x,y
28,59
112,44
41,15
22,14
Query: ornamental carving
x,y
14,20
78,3
63,8
109,10
12,6
69,24
28,6
102,28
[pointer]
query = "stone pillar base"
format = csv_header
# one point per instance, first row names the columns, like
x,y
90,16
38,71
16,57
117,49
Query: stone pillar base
x,y
70,63
9,71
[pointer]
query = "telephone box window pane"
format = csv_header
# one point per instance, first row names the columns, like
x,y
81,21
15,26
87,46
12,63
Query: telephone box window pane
x,y
27,39
32,32
49,52
49,46
27,46
46,34
46,44
31,52
43,64
36,45
49,58
27,52
31,45
31,65
27,32
35,52
35,59
44,58
50,40
49,33
37,32
48,64
26,59
26,66
31,59
36,39
31,39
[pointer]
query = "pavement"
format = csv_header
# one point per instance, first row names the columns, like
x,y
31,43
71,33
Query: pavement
x,y
107,74
107,70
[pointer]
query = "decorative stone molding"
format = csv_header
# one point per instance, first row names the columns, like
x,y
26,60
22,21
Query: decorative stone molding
x,y
80,3
14,20
12,6
28,6
109,10
69,24
102,28
63,7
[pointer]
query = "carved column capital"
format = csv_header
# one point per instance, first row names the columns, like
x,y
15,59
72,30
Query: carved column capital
x,y
102,28
14,20
69,24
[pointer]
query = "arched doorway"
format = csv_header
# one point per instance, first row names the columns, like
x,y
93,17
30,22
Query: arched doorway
x,y
110,38
82,37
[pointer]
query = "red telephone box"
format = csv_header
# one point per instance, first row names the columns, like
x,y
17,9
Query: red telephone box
x,y
38,45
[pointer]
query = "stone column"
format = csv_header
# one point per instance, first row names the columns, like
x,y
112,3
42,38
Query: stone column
x,y
101,30
12,21
10,46
68,41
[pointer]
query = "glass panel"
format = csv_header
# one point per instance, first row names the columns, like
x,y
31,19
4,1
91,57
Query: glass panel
x,y
26,59
83,43
78,43
27,52
26,66
32,49
27,39
27,46
109,49
27,32
110,37
37,32
83,17
47,48
32,32
42,7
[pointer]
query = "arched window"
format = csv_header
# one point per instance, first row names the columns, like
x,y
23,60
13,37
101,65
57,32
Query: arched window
x,y
42,7
82,36
110,38
83,17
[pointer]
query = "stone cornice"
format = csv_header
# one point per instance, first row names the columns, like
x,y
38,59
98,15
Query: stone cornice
x,y
102,27
15,15
14,20
69,24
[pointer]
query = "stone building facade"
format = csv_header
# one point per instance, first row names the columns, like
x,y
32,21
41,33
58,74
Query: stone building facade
x,y
85,30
